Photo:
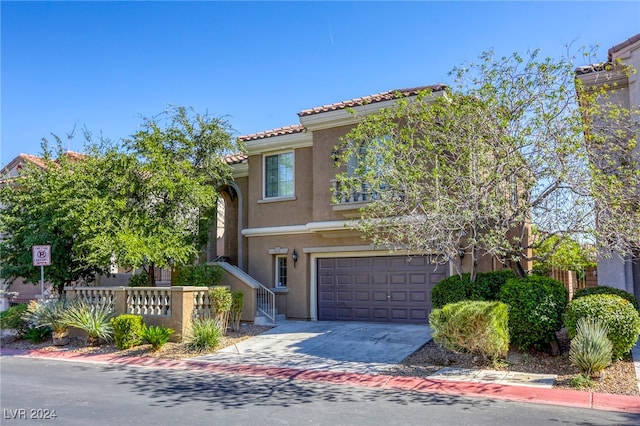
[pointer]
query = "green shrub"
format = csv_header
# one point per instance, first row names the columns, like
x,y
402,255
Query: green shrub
x,y
451,290
95,320
236,310
200,275
37,334
127,330
139,280
590,349
12,318
221,302
580,381
47,313
603,289
472,326
205,334
488,284
617,314
156,336
536,305
457,288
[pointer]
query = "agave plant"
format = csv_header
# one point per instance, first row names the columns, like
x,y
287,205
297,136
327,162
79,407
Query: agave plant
x,y
591,349
48,313
95,320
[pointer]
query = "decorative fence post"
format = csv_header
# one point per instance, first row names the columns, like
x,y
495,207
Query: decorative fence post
x,y
120,300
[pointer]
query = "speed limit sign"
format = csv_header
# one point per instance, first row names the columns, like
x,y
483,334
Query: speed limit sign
x,y
41,255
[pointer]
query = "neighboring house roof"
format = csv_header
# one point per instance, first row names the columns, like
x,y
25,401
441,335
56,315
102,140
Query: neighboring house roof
x,y
16,164
378,97
22,158
587,69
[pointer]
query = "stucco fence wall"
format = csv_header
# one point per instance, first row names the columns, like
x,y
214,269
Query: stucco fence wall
x,y
174,307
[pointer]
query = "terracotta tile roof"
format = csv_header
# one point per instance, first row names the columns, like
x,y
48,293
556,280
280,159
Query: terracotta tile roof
x,y
622,45
32,159
280,131
37,161
234,158
586,69
370,99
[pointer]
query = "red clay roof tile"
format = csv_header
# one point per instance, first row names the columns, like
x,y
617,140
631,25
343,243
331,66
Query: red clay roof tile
x,y
280,131
378,97
234,158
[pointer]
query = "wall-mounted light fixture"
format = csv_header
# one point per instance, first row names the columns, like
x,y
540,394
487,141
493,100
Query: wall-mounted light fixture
x,y
461,253
294,256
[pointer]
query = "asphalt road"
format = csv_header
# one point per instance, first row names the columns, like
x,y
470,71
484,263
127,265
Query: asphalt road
x,y
33,390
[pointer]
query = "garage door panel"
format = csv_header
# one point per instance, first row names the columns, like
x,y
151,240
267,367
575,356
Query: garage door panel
x,y
344,313
419,314
418,279
344,296
327,296
362,296
379,296
362,314
379,314
398,296
418,296
387,288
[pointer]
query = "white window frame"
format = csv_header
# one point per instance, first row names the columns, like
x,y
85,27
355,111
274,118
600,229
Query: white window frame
x,y
278,271
293,176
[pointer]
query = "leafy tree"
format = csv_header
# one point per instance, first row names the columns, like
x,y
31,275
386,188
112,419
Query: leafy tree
x,y
148,205
159,200
37,209
473,167
554,252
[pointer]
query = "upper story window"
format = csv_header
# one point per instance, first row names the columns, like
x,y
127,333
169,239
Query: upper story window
x,y
278,175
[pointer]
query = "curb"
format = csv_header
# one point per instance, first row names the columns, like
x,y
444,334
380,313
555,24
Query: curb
x,y
563,397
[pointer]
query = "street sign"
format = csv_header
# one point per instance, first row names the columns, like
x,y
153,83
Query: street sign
x,y
41,255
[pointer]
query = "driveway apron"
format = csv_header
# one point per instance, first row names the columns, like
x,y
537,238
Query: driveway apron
x,y
354,347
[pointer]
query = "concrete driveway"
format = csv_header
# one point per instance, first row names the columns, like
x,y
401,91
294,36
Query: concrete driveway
x,y
356,347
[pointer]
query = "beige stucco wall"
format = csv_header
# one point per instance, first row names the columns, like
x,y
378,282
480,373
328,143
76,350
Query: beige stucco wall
x,y
262,267
324,171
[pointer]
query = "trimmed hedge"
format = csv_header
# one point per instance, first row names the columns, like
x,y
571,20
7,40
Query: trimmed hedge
x,y
127,330
603,289
457,288
476,327
618,315
536,305
200,275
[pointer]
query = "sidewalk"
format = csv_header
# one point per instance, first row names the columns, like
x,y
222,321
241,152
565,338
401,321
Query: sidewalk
x,y
469,383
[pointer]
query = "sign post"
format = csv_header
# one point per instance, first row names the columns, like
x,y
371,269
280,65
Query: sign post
x,y
41,258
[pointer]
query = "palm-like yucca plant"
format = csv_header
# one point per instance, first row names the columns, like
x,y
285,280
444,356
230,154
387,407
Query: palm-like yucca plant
x,y
95,320
205,334
591,349
48,313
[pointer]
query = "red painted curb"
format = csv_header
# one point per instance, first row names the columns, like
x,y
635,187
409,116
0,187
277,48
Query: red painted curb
x,y
563,397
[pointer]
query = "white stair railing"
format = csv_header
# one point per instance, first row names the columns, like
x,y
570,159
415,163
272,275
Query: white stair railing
x,y
266,302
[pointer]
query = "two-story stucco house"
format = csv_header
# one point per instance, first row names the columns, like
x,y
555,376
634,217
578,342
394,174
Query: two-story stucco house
x,y
614,270
282,228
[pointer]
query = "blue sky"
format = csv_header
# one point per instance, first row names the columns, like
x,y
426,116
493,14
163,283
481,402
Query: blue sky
x,y
103,65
